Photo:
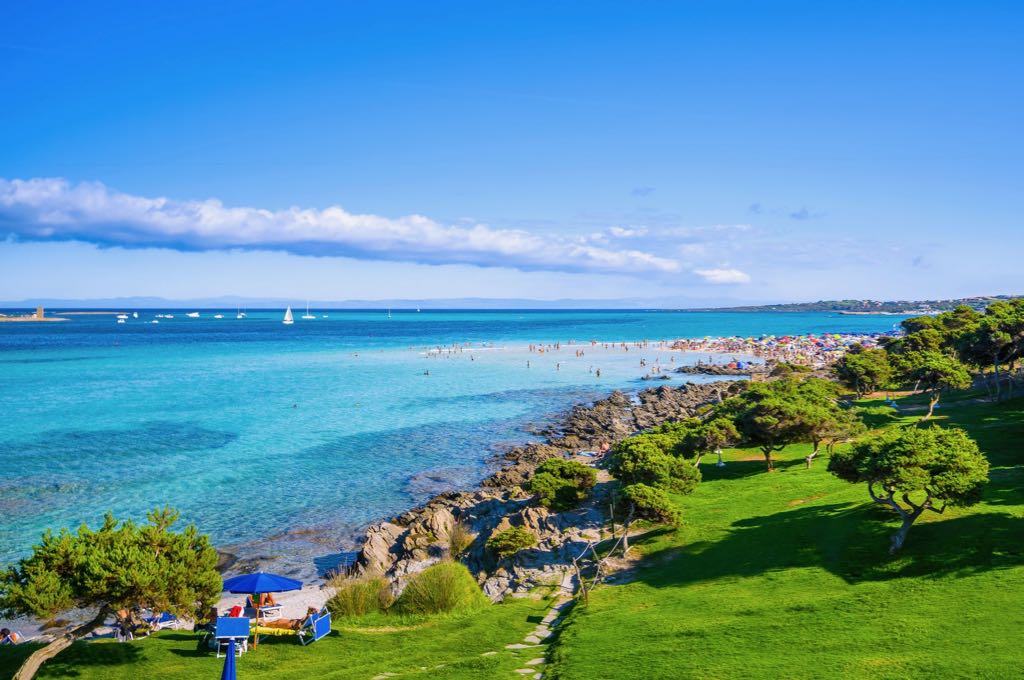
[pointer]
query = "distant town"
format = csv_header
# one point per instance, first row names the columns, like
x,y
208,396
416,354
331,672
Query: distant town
x,y
872,306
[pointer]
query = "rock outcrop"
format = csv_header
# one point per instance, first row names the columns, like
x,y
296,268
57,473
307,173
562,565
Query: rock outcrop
x,y
421,537
718,369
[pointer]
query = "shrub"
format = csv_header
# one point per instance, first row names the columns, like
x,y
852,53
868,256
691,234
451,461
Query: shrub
x,y
443,587
510,541
359,596
650,503
638,460
562,484
459,539
783,368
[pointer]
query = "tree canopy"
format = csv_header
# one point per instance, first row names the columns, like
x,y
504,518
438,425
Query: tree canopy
x,y
913,469
773,415
117,566
864,370
937,372
561,484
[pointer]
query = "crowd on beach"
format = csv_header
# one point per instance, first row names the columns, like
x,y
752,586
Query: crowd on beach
x,y
813,350
816,351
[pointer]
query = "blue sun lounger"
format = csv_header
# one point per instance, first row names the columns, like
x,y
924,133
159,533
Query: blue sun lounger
x,y
232,628
318,625
162,620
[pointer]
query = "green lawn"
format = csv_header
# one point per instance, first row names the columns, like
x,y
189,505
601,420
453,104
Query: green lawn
x,y
787,575
782,575
370,647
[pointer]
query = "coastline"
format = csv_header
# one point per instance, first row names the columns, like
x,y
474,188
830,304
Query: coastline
x,y
413,540
396,549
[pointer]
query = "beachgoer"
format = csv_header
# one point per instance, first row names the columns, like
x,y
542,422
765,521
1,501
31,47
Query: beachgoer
x,y
9,637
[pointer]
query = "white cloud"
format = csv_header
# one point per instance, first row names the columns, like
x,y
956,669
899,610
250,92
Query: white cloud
x,y
627,232
723,276
46,209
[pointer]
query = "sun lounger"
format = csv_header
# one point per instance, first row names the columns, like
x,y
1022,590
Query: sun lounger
x,y
315,626
267,611
162,620
232,628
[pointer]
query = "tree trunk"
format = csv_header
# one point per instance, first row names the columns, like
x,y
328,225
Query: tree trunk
x,y
35,660
810,459
931,405
625,530
999,386
900,536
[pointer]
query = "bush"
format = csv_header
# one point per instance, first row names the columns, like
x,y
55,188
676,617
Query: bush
x,y
650,503
510,541
638,460
359,596
561,484
783,369
459,539
444,587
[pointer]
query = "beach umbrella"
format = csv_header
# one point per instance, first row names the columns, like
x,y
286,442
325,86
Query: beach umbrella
x,y
229,672
258,583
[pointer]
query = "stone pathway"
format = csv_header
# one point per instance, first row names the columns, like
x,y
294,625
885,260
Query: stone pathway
x,y
537,639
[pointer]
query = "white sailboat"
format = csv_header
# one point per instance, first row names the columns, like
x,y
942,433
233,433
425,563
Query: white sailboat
x,y
307,315
239,314
288,320
135,315
389,312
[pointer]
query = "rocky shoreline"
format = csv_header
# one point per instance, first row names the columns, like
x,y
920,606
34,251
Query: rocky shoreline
x,y
718,369
420,537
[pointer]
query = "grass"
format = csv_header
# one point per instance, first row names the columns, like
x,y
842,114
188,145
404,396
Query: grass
x,y
782,575
358,648
787,575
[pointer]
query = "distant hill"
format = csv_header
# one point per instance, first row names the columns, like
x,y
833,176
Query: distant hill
x,y
874,306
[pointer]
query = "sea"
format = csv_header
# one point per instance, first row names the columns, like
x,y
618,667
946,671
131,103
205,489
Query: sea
x,y
284,442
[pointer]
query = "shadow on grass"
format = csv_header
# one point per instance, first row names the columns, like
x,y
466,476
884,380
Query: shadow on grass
x,y
737,469
877,415
851,541
94,654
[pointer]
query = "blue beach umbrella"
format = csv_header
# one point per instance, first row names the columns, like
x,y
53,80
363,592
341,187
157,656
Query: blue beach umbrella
x,y
260,582
229,672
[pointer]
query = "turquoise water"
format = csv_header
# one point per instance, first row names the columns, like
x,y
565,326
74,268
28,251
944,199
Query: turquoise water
x,y
281,441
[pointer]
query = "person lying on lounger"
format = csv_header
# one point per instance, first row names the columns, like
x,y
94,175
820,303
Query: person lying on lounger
x,y
9,637
289,624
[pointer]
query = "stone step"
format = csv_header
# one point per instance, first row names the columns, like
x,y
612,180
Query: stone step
x,y
536,662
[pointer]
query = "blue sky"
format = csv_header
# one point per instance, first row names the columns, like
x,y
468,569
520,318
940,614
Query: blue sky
x,y
745,150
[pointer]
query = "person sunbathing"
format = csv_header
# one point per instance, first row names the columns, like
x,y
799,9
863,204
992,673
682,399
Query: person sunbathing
x,y
264,599
9,637
289,624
